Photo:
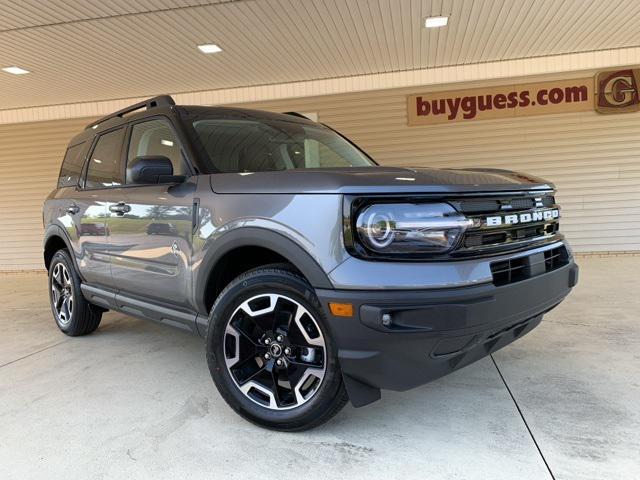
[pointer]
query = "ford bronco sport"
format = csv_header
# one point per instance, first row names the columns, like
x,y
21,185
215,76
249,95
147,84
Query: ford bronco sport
x,y
315,275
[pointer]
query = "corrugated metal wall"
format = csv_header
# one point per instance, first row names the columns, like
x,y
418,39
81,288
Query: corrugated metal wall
x,y
593,159
30,158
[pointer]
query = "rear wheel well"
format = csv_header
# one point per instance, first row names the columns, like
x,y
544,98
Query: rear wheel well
x,y
54,243
236,262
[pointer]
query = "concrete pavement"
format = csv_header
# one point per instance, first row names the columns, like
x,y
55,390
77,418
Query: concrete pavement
x,y
135,400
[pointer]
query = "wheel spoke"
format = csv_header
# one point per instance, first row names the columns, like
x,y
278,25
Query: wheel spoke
x,y
283,317
276,393
55,294
237,334
246,335
302,363
301,397
318,340
65,308
57,275
254,375
246,362
62,293
246,389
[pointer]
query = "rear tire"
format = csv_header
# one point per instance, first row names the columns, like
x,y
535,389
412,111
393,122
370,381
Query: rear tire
x,y
72,313
270,352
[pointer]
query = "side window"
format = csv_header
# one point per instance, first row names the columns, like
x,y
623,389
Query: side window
x,y
71,166
155,137
104,164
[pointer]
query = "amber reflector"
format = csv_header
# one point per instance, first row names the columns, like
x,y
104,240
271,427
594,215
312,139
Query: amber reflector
x,y
341,309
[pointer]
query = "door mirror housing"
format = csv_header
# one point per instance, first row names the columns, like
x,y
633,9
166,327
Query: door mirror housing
x,y
152,169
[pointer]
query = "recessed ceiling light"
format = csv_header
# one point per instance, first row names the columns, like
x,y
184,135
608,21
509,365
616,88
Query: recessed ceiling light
x,y
15,70
209,48
434,22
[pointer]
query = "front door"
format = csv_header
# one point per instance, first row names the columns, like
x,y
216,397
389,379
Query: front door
x,y
150,226
150,242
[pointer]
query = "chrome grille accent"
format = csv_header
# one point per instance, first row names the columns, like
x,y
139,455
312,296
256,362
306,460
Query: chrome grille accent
x,y
484,238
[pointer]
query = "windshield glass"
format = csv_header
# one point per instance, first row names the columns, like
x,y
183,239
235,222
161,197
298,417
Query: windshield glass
x,y
236,146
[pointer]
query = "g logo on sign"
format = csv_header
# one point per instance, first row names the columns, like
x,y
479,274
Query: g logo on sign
x,y
617,91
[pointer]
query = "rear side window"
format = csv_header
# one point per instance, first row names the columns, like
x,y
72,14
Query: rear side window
x,y
105,161
71,166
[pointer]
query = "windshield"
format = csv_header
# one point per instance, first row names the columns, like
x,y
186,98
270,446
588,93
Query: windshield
x,y
236,146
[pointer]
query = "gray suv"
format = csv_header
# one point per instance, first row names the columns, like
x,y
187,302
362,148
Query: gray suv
x,y
316,276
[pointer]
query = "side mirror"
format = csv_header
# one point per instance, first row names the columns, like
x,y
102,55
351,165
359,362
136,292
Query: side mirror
x,y
152,169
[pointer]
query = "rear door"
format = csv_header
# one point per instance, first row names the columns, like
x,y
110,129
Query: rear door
x,y
102,174
82,217
150,239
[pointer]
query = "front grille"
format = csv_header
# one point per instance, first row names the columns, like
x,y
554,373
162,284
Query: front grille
x,y
486,237
496,205
515,270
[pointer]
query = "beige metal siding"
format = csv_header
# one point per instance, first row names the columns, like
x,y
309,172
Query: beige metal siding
x,y
593,159
30,158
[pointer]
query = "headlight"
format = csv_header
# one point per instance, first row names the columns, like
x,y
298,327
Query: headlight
x,y
406,228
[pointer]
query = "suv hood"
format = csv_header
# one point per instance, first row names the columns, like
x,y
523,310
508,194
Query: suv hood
x,y
377,180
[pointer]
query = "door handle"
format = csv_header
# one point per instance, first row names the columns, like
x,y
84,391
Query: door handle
x,y
120,208
73,209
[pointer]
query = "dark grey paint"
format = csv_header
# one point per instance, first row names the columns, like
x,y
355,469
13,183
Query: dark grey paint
x,y
376,180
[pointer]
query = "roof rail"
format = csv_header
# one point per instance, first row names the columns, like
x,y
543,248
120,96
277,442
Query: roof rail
x,y
296,114
159,101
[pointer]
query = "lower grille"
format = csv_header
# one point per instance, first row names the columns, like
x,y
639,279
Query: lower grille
x,y
515,270
517,234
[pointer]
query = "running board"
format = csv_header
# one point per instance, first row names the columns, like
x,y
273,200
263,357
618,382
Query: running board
x,y
140,308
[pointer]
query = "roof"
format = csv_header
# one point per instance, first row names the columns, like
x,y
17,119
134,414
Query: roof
x,y
164,104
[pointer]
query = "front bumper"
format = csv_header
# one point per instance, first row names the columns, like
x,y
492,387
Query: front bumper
x,y
434,332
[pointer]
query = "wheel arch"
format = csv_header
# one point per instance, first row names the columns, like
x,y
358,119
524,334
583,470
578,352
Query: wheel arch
x,y
55,238
276,247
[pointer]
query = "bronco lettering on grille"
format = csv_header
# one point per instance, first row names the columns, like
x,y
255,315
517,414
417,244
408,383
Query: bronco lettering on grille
x,y
527,217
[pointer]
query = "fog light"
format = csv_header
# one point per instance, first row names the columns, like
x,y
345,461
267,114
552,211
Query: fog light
x,y
386,320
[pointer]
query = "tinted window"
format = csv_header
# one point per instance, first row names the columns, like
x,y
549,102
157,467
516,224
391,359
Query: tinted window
x,y
71,166
104,165
255,146
155,137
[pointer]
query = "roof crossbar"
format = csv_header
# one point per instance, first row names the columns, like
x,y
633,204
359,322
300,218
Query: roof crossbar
x,y
159,101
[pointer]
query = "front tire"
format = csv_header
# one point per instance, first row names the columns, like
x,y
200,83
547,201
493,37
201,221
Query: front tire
x,y
270,352
72,313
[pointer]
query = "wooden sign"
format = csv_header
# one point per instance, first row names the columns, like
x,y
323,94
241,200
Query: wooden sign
x,y
560,96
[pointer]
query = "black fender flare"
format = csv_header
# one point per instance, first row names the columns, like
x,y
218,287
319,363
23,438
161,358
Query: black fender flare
x,y
55,230
256,237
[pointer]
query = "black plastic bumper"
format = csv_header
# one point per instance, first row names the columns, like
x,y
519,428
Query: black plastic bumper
x,y
401,339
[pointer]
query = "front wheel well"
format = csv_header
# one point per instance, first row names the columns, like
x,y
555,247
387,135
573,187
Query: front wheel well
x,y
53,244
236,262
